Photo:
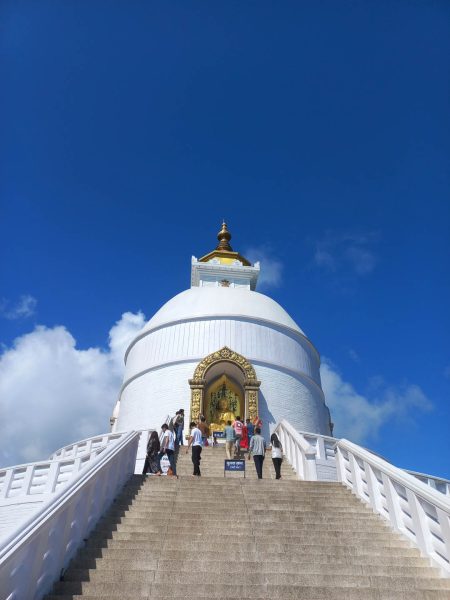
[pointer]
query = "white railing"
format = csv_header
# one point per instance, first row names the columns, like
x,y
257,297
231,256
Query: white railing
x,y
412,508
297,450
85,446
34,555
437,483
310,454
32,482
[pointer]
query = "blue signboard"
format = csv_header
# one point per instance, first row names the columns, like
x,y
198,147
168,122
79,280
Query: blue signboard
x,y
234,465
219,434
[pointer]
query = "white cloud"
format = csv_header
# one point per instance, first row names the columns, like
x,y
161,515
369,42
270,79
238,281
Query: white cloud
x,y
24,307
346,253
271,268
54,393
359,418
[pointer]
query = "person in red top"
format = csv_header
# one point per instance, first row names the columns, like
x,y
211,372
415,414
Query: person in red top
x,y
244,440
257,422
238,427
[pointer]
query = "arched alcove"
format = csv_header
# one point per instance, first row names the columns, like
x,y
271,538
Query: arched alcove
x,y
239,373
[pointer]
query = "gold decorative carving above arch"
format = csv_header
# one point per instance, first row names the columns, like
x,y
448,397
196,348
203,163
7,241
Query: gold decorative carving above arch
x,y
250,384
229,355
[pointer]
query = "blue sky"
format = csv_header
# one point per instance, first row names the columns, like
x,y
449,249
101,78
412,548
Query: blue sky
x,y
319,130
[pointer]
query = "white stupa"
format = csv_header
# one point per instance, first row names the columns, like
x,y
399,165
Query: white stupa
x,y
222,349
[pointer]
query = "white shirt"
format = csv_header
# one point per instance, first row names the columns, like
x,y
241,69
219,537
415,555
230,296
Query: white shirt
x,y
196,435
168,444
277,452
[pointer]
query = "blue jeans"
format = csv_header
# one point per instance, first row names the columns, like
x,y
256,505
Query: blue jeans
x,y
171,457
179,436
258,459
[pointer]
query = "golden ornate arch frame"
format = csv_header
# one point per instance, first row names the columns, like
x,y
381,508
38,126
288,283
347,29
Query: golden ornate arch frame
x,y
251,383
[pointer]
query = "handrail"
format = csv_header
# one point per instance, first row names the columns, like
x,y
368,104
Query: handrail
x,y
45,477
412,507
32,557
87,443
297,450
439,484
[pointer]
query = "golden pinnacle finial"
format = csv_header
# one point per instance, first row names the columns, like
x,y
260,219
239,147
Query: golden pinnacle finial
x,y
224,237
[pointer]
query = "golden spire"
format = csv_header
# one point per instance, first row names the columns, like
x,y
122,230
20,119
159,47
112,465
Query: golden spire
x,y
224,252
224,237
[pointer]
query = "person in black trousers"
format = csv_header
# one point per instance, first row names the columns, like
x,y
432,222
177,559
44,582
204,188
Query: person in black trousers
x,y
277,454
258,451
195,440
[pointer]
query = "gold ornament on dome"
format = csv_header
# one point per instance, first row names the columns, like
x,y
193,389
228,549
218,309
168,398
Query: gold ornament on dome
x,y
224,252
225,354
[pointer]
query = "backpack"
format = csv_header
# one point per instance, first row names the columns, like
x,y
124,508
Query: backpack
x,y
238,426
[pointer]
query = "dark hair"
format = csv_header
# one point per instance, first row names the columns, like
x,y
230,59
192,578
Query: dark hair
x,y
247,420
181,410
257,429
275,441
154,435
193,424
202,419
238,418
164,426
228,422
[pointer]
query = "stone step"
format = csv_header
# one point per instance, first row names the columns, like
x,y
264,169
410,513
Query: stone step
x,y
210,562
84,570
260,578
203,539
288,545
244,529
333,553
169,590
304,594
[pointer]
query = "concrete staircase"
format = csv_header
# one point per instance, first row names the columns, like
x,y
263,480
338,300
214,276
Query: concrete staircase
x,y
219,538
212,465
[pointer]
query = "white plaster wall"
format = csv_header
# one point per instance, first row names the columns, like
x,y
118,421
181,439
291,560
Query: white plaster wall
x,y
288,396
149,398
199,321
193,340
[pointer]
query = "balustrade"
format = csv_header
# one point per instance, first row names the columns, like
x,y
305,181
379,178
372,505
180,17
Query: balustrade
x,y
414,509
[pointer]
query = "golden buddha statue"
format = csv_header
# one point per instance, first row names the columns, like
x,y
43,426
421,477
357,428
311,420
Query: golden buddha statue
x,y
221,415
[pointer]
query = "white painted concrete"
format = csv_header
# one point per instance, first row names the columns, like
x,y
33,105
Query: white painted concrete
x,y
39,547
412,508
199,321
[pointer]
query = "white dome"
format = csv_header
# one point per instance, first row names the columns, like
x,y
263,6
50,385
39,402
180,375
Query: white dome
x,y
211,302
162,358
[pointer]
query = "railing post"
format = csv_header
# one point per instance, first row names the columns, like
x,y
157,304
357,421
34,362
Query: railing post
x,y
356,474
340,467
419,519
444,522
52,476
28,477
392,503
7,483
373,486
